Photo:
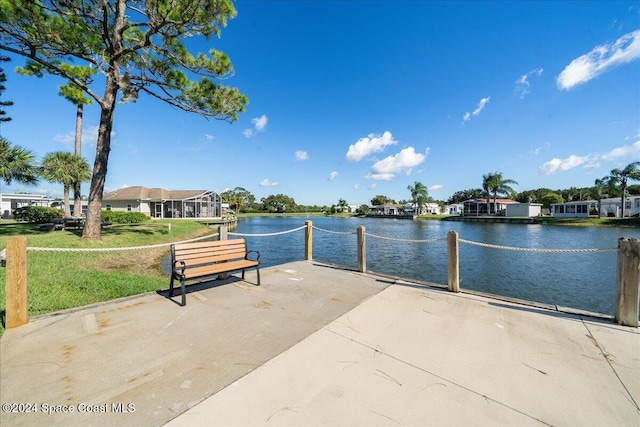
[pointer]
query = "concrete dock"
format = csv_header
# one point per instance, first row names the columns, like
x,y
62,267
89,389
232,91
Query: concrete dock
x,y
318,345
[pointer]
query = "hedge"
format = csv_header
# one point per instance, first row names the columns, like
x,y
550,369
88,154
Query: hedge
x,y
122,217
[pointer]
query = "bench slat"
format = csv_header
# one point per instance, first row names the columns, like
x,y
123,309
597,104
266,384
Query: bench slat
x,y
212,269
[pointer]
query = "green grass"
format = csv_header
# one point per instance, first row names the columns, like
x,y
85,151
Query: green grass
x,y
616,222
62,280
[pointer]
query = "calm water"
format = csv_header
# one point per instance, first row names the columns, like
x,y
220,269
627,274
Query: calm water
x,y
580,280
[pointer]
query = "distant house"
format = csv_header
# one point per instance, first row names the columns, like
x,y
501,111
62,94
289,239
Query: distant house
x,y
161,203
611,207
454,209
10,202
524,209
477,207
387,209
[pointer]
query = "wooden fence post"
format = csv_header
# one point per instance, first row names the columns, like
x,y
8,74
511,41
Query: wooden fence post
x,y
628,281
308,241
362,250
16,282
453,262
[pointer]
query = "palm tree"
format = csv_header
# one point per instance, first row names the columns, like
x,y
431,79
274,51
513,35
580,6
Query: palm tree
x,y
343,205
487,184
419,195
600,191
17,163
499,185
621,178
67,169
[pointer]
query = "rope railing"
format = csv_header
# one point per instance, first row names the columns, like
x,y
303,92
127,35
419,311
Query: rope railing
x,y
278,233
129,248
395,239
538,250
334,232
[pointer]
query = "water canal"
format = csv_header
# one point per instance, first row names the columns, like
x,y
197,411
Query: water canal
x,y
583,281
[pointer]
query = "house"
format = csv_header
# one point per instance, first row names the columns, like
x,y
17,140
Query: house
x,y
477,207
454,209
387,209
11,202
524,209
427,208
161,203
610,207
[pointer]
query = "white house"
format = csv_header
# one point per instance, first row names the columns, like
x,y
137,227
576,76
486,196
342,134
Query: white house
x,y
454,209
11,202
161,203
524,209
610,207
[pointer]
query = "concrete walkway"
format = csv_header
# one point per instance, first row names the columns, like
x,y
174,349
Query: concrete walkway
x,y
316,345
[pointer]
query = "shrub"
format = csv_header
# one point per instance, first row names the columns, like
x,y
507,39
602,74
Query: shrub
x,y
36,214
121,217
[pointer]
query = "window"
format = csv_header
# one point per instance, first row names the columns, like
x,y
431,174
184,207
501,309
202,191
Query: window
x,y
128,207
583,209
571,209
108,206
559,208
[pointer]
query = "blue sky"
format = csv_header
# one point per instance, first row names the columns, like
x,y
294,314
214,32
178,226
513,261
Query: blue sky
x,y
352,99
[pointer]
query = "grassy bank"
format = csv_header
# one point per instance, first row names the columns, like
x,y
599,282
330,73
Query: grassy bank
x,y
62,280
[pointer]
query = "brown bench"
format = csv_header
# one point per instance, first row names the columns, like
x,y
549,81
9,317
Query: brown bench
x,y
196,260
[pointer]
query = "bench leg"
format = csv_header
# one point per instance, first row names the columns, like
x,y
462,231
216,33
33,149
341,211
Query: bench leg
x,y
184,294
171,287
258,273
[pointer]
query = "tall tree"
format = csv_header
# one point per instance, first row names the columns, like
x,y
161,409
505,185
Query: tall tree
x,y
419,196
498,185
17,164
487,184
65,168
3,79
343,205
621,178
138,46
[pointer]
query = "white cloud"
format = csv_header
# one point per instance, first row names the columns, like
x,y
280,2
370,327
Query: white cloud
x,y
301,155
259,125
89,137
357,186
589,162
266,183
368,145
600,59
537,150
333,175
209,137
386,169
523,87
557,165
624,151
436,187
483,102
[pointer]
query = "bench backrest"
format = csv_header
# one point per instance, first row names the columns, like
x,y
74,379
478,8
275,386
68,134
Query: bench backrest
x,y
208,252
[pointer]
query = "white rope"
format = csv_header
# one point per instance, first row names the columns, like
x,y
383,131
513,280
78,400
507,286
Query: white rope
x,y
269,234
406,240
130,248
553,251
333,232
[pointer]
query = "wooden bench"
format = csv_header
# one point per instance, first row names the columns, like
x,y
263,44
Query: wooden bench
x,y
196,260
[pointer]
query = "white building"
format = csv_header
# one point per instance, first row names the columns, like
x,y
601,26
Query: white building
x,y
11,202
524,209
610,207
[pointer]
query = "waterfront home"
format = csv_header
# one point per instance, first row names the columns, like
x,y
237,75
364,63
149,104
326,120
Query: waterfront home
x,y
454,209
524,209
610,207
477,207
387,209
425,209
161,203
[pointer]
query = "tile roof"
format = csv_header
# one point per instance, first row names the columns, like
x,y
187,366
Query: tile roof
x,y
144,193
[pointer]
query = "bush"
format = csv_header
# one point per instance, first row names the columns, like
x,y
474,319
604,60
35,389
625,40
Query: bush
x,y
121,217
36,214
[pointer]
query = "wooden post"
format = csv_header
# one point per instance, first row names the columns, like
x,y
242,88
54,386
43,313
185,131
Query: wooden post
x,y
223,234
16,282
308,241
362,250
628,282
453,262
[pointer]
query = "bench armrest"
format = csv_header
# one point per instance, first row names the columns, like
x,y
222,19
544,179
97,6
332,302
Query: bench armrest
x,y
255,252
179,269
